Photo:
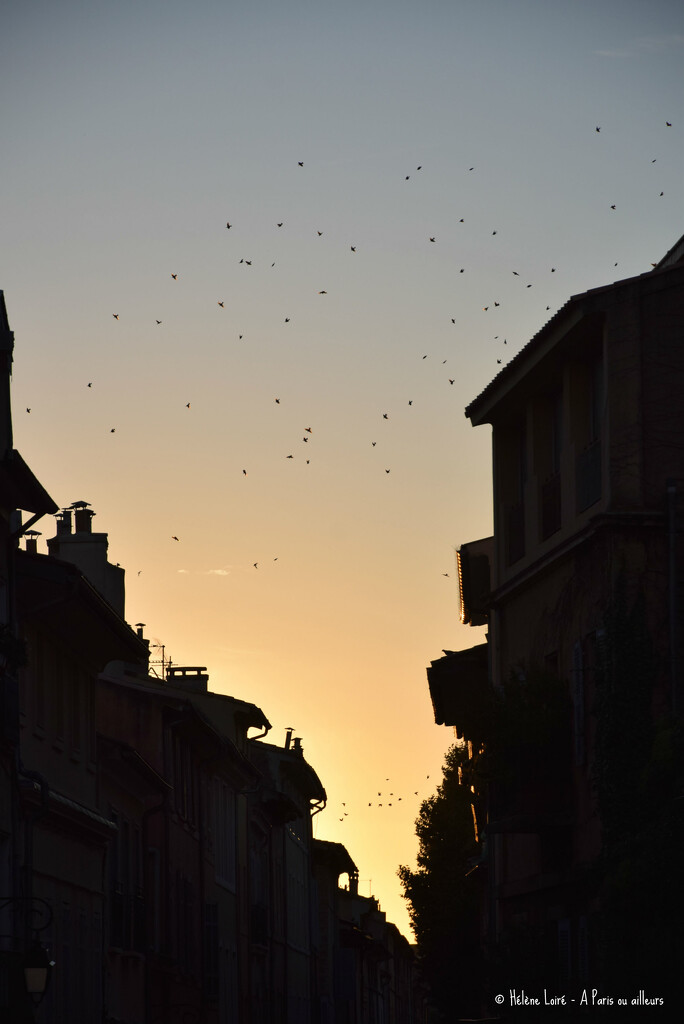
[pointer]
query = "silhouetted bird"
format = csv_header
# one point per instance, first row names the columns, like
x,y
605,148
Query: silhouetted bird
x,y
227,224
175,277
90,384
27,409
158,321
115,315
221,305
174,538
432,239
353,248
385,416
597,128
301,163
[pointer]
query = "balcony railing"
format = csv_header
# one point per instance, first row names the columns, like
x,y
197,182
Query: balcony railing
x,y
588,479
550,506
515,533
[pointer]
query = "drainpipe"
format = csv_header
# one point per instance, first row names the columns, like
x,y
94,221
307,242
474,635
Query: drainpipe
x,y
147,814
29,822
672,595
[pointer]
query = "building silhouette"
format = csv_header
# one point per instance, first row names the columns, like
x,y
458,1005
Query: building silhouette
x,y
574,703
157,862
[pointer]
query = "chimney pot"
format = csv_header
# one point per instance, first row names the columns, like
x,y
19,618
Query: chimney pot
x,y
63,521
84,520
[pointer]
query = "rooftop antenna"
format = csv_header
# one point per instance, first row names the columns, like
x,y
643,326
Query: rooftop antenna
x,y
162,662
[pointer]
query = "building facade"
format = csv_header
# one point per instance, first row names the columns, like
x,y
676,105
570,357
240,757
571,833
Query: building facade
x,y
581,590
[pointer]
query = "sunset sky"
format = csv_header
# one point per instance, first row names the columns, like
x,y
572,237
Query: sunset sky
x,y
442,189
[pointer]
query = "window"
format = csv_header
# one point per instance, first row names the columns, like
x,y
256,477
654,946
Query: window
x,y
224,840
588,481
514,471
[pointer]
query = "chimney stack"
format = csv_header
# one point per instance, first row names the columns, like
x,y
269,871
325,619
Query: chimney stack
x,y
88,552
193,678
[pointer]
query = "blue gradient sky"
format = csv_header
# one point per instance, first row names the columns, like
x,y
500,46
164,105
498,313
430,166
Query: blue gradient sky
x,y
132,132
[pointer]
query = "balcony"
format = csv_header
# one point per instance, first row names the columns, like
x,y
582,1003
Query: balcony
x,y
588,480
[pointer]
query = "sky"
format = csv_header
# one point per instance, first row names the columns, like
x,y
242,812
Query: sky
x,y
413,190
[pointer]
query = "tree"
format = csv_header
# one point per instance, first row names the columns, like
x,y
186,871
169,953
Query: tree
x,y
444,891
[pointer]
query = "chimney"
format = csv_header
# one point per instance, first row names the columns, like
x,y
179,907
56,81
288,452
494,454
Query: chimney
x,y
63,522
84,518
288,737
298,746
88,552
32,541
193,678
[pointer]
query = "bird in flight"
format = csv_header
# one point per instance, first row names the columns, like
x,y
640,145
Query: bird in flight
x,y
175,277
287,319
174,537
301,163
115,315
221,305
90,384
432,239
255,564
244,472
323,293
187,405
597,128
277,401
385,416
113,430
27,409
280,224
158,321
353,248
227,224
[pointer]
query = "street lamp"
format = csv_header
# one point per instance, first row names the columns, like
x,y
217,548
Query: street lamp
x,y
37,970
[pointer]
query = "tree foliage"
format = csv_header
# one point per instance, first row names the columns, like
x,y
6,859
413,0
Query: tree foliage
x,y
443,892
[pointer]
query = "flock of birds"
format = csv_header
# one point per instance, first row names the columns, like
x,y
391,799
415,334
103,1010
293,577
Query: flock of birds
x,y
389,799
307,431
